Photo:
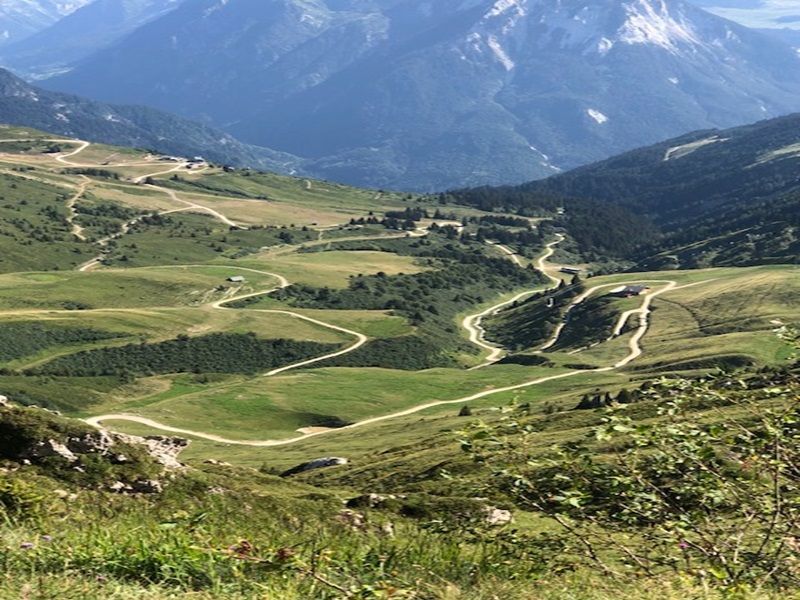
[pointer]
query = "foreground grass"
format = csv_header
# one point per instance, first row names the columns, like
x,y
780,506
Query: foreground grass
x,y
218,531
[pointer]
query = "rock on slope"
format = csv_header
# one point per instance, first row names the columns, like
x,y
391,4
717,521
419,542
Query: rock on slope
x,y
71,449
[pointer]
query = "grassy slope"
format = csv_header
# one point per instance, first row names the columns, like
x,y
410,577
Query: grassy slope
x,y
150,548
359,394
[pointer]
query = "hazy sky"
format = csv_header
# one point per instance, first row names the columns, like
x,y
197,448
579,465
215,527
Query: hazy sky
x,y
757,13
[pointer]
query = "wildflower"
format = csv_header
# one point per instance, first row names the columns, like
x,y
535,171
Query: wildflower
x,y
101,579
683,545
47,538
285,554
27,545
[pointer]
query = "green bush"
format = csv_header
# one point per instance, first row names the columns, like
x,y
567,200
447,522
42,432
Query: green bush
x,y
719,502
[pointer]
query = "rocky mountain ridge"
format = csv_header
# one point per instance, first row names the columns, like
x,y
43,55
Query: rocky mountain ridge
x,y
413,94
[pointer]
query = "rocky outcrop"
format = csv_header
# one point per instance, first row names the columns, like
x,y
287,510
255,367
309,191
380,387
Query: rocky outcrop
x,y
61,446
148,486
164,450
97,442
497,517
48,449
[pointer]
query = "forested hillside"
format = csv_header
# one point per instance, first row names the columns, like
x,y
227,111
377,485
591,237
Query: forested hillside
x,y
721,197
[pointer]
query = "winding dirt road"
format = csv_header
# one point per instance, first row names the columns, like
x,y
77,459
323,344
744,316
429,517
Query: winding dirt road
x,y
642,310
98,421
541,262
194,206
634,353
472,323
76,229
62,158
509,252
361,339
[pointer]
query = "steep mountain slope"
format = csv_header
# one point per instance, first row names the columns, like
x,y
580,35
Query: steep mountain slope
x,y
21,18
719,196
777,14
406,93
82,32
22,104
696,175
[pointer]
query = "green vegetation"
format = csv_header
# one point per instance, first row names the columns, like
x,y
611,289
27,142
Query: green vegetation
x,y
24,338
93,172
194,238
460,276
216,353
322,195
410,353
156,287
531,322
602,230
646,473
676,204
33,435
620,506
34,232
101,219
714,500
591,322
69,394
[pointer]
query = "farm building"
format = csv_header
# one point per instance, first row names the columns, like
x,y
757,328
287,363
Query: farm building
x,y
236,279
629,291
571,270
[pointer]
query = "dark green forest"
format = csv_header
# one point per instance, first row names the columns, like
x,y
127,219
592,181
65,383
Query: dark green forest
x,y
25,338
215,353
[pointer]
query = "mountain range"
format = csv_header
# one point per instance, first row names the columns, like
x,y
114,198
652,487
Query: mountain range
x,y
21,18
138,126
420,95
88,29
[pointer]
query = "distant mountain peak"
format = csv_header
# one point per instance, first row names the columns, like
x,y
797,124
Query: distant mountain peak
x,y
424,95
22,18
652,22
601,26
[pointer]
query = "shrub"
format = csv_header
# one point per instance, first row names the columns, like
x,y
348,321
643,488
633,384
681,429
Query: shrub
x,y
719,502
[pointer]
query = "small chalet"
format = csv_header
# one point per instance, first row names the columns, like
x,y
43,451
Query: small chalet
x,y
236,279
629,291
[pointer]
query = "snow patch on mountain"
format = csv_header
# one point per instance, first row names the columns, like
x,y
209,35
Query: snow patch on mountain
x,y
503,6
500,53
604,46
599,117
651,22
544,160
